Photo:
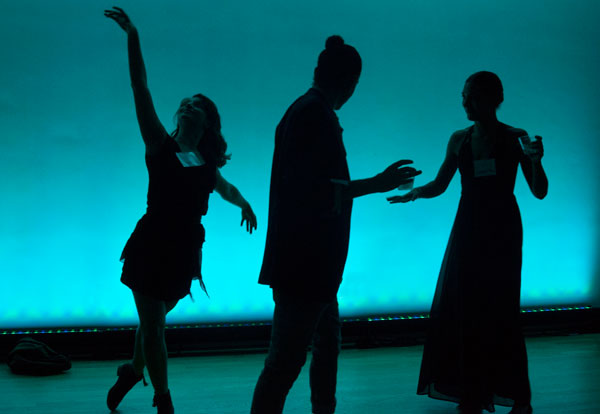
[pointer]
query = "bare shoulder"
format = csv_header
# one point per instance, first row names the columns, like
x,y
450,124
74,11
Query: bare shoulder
x,y
456,140
514,132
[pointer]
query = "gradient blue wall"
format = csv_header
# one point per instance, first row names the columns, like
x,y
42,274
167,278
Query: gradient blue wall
x,y
73,180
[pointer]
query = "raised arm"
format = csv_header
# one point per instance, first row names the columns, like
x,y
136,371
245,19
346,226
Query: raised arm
x,y
153,132
232,195
444,176
531,164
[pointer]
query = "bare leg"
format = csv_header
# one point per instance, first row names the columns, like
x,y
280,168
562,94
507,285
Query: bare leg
x,y
138,351
152,314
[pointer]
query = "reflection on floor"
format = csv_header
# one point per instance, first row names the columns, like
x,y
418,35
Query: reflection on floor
x,y
564,371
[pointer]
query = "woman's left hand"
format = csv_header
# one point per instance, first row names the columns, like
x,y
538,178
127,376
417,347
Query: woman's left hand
x,y
119,16
535,149
248,217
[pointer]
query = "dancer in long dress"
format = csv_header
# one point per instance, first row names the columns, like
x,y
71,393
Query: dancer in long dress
x,y
475,352
163,255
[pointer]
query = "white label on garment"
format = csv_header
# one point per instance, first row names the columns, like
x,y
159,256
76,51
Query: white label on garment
x,y
189,159
484,168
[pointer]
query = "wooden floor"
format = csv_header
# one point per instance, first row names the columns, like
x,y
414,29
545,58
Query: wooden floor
x,y
564,371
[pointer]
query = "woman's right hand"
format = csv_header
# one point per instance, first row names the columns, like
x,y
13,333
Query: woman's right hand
x,y
412,195
119,16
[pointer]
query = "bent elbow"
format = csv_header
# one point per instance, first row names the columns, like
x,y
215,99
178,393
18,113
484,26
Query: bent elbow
x,y
439,187
540,195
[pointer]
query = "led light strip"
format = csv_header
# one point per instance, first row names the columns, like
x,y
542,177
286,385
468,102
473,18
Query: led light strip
x,y
255,324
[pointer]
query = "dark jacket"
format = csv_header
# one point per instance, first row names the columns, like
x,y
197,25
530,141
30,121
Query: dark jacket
x,y
307,242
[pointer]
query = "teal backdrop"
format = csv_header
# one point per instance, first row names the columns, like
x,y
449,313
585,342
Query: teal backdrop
x,y
73,180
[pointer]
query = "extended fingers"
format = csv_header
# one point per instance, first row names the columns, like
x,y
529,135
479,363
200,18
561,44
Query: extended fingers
x,y
112,12
250,219
113,15
397,199
120,11
248,226
409,172
116,12
400,163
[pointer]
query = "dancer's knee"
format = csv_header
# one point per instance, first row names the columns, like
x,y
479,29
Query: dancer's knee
x,y
152,331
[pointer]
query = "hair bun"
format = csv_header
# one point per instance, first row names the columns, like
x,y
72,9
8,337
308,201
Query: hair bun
x,y
334,42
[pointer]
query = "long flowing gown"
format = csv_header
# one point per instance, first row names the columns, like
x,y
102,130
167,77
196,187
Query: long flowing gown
x,y
475,352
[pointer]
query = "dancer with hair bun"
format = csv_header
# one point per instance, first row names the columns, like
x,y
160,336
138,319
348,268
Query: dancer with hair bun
x,y
310,204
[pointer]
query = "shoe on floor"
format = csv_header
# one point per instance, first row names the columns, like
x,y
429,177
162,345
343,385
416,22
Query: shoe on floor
x,y
462,409
127,379
163,403
524,409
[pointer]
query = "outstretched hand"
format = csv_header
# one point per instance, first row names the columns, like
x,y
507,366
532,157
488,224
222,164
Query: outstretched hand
x,y
119,16
395,176
249,217
405,198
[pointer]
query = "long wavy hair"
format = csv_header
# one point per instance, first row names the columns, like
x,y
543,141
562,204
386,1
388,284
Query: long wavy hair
x,y
212,146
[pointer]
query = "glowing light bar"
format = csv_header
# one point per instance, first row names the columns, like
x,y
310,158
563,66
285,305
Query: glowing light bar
x,y
265,323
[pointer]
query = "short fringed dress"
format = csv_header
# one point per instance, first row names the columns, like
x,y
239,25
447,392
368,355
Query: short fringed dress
x,y
475,351
163,254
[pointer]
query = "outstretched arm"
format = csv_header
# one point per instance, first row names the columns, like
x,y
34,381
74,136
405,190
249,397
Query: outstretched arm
x,y
390,178
442,180
232,195
153,132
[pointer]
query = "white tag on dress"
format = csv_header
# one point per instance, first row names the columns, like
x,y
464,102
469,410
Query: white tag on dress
x,y
484,168
189,159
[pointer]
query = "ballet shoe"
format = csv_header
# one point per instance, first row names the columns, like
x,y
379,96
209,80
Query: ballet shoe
x,y
163,403
127,379
463,409
523,409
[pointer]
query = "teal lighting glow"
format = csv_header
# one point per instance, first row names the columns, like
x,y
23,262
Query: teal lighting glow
x,y
74,183
383,318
